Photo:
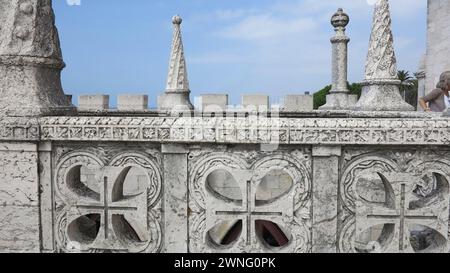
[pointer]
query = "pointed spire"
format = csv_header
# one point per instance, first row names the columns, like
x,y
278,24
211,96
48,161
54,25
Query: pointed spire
x,y
177,79
29,40
381,62
381,83
177,91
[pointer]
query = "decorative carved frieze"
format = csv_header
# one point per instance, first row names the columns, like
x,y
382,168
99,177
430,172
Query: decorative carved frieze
x,y
358,131
17,128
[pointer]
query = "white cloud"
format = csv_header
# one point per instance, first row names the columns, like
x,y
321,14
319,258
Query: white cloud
x,y
265,26
216,58
229,14
288,44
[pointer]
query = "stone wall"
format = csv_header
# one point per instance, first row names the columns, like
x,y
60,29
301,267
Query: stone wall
x,y
375,182
216,179
438,44
19,195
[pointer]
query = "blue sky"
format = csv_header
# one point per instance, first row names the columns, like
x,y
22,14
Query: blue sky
x,y
275,47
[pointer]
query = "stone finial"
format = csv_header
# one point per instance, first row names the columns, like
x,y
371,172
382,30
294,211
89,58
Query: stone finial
x,y
177,79
177,20
381,83
30,59
340,19
339,98
177,89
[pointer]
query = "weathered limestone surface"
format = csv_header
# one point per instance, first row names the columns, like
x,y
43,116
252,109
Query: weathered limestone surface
x,y
93,102
19,229
257,102
132,102
46,196
19,195
30,59
298,103
325,196
175,198
213,102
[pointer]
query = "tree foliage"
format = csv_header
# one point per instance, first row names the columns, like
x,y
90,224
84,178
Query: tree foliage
x,y
409,87
320,97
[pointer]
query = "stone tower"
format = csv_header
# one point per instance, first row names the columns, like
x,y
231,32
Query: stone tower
x,y
30,59
438,44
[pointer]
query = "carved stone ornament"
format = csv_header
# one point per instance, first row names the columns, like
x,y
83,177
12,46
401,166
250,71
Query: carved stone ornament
x,y
211,210
340,131
94,211
395,202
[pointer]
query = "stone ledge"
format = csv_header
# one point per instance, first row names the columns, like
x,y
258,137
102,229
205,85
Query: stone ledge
x,y
251,130
19,128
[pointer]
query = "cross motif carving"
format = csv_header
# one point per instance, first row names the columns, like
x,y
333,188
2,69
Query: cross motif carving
x,y
112,203
107,208
399,189
249,212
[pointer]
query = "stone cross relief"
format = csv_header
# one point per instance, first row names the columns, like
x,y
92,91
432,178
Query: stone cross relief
x,y
249,212
112,203
276,210
398,214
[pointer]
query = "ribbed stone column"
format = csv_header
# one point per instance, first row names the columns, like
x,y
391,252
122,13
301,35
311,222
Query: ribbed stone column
x,y
339,98
30,59
176,96
381,83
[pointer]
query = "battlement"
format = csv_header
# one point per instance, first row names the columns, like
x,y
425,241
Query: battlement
x,y
208,103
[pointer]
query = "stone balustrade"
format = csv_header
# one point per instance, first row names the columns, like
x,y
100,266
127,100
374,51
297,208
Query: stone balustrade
x,y
217,178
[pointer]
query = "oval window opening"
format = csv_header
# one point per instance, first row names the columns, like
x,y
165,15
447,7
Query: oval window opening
x,y
82,181
131,182
84,229
375,238
426,240
226,233
125,231
223,186
271,234
276,184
